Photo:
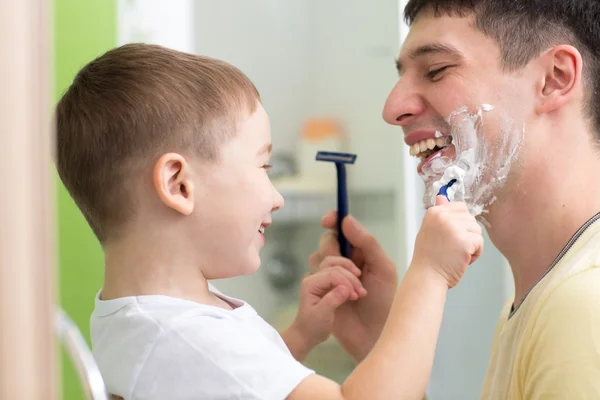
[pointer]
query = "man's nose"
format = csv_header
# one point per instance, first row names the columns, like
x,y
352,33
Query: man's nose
x,y
403,104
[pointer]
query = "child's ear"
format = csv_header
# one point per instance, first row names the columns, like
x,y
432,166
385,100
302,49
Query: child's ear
x,y
173,183
562,72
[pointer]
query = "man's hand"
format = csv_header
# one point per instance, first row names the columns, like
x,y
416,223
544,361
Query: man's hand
x,y
358,324
321,294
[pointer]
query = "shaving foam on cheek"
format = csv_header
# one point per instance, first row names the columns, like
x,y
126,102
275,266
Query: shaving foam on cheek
x,y
478,168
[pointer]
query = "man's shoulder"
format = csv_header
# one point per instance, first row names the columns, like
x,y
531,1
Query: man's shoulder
x,y
558,354
574,301
577,289
572,285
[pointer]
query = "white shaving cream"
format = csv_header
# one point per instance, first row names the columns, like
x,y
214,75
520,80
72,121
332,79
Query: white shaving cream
x,y
479,168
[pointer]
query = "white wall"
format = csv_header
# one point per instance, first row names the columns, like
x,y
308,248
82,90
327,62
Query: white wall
x,y
168,24
271,42
354,73
315,58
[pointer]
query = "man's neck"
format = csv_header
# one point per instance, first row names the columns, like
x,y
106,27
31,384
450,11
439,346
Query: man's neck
x,y
533,223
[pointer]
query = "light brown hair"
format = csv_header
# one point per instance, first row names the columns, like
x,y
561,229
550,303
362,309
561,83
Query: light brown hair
x,y
131,105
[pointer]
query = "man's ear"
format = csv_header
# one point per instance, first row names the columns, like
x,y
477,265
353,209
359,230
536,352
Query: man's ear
x,y
562,73
173,183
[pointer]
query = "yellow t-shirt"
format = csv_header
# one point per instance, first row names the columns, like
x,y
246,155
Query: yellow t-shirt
x,y
549,348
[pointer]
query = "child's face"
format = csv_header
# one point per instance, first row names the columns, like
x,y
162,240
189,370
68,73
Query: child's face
x,y
235,201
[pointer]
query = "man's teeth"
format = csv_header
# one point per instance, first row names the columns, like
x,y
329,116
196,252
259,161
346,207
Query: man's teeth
x,y
424,148
261,230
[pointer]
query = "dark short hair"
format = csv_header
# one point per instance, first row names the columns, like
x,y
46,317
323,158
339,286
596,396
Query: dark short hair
x,y
524,28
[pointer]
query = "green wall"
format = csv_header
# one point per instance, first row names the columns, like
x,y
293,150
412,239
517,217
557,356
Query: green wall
x,y
83,29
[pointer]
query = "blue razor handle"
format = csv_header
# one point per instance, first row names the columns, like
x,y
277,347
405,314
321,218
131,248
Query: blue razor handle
x,y
444,189
342,207
340,159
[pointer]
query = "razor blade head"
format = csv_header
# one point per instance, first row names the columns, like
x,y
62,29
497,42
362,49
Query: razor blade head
x,y
333,156
444,189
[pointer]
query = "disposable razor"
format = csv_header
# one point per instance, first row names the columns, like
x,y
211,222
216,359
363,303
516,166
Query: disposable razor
x,y
340,160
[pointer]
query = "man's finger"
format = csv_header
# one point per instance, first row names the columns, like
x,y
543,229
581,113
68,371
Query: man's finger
x,y
329,245
314,261
359,237
329,220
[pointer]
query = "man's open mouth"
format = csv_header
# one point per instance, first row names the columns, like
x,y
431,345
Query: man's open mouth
x,y
426,148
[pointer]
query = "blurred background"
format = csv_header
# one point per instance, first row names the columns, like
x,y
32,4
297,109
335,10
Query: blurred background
x,y
324,69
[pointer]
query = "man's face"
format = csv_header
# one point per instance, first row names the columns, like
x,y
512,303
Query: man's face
x,y
462,115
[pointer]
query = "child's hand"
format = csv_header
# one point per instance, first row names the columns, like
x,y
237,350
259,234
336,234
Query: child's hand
x,y
450,239
358,324
321,294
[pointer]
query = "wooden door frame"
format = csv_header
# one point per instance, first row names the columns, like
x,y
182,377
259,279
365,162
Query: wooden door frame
x,y
28,356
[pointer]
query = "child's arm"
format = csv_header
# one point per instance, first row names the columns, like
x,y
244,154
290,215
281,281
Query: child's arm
x,y
399,365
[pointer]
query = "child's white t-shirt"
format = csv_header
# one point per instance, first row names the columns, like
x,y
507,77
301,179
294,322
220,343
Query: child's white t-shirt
x,y
159,347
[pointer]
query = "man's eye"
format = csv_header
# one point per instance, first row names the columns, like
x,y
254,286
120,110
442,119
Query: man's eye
x,y
433,74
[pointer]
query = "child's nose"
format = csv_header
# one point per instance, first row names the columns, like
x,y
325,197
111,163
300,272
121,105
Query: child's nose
x,y
278,200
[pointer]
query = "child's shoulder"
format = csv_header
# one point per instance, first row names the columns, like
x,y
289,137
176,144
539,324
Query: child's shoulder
x,y
133,330
151,342
164,311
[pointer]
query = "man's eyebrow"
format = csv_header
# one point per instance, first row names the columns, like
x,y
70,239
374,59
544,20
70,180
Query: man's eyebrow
x,y
267,148
431,48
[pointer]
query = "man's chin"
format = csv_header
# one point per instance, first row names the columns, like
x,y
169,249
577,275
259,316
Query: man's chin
x,y
427,204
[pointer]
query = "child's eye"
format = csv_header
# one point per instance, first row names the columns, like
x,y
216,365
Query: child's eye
x,y
267,166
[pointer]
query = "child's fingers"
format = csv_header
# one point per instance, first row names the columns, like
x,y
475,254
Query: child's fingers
x,y
340,276
475,228
466,222
454,206
336,297
333,261
323,281
441,200
329,244
477,244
